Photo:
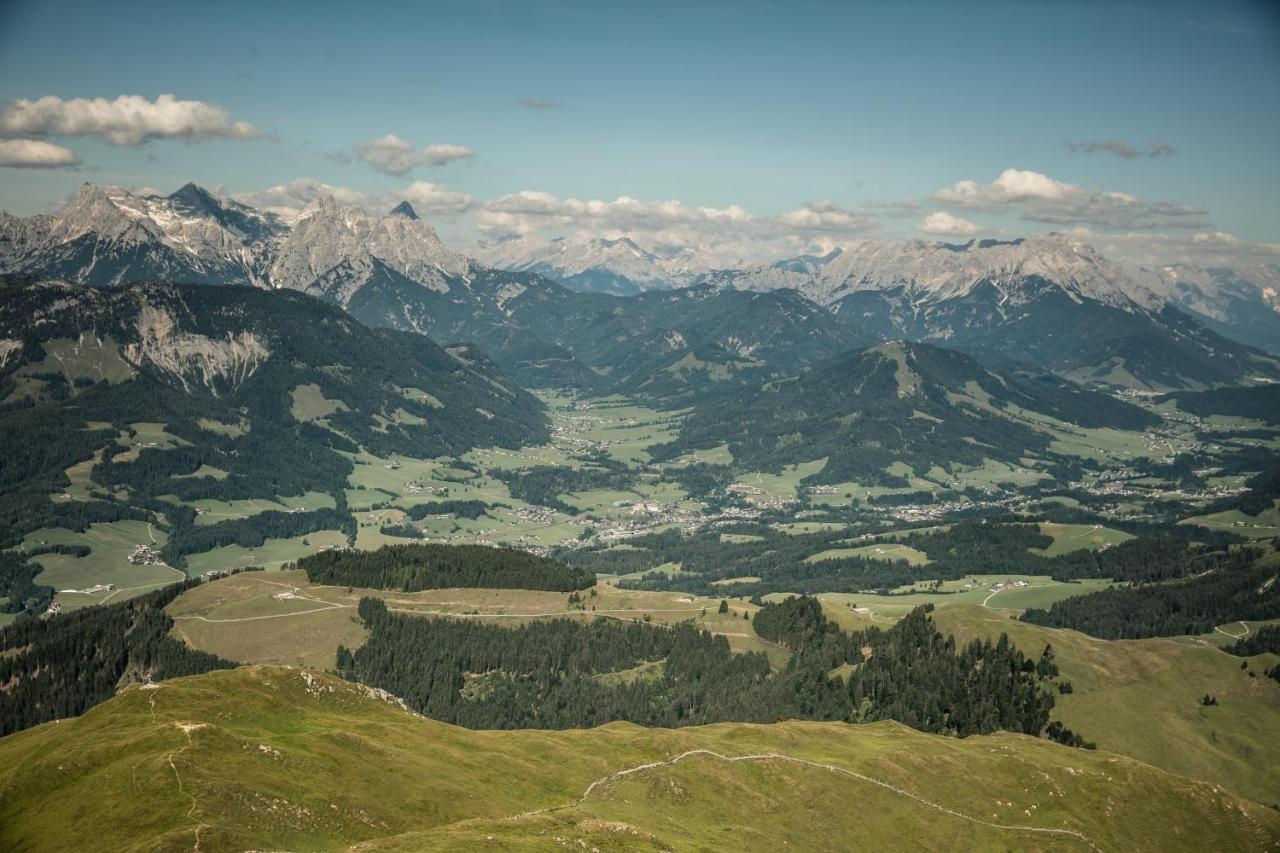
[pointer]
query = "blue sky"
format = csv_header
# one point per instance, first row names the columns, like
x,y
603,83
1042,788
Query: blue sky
x,y
763,107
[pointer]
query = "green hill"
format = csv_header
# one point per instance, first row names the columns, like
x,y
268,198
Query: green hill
x,y
1144,698
273,758
897,403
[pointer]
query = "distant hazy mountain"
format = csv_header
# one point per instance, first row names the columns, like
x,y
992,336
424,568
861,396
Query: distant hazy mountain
x,y
935,272
1240,303
1051,301
592,264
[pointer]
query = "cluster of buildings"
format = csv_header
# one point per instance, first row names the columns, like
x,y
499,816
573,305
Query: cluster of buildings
x,y
144,555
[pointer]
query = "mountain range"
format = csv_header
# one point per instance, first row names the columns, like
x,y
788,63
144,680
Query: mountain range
x,y
594,264
1051,302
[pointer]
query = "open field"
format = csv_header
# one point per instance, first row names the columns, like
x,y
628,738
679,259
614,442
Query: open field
x,y
333,765
1264,525
1078,537
212,512
762,488
110,544
279,617
886,551
270,554
1143,698
1039,591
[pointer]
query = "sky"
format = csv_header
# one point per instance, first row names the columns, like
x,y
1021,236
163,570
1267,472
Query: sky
x,y
736,129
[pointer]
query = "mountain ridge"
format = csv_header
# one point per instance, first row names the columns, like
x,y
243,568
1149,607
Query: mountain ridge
x,y
1051,301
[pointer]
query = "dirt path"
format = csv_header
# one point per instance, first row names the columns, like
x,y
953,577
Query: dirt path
x,y
1235,636
335,606
181,576
774,756
1006,589
269,615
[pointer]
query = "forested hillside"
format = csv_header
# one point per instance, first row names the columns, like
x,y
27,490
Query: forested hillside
x,y
895,403
243,394
1244,587
412,568
61,666
562,673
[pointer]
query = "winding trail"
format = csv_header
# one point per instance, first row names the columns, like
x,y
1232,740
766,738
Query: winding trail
x,y
611,614
1235,636
187,729
774,756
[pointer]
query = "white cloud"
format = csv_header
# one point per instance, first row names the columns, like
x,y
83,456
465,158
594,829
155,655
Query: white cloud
x,y
1203,248
398,157
1120,148
127,120
723,234
1040,198
288,199
432,198
35,154
944,223
826,215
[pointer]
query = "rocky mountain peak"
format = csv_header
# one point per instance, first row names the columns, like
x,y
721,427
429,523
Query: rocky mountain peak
x,y
404,209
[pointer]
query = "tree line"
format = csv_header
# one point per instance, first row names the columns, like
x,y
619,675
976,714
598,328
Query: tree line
x,y
970,547
62,665
547,674
1239,587
416,567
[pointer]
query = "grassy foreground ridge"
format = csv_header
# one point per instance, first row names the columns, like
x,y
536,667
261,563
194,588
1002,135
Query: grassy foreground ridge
x,y
277,758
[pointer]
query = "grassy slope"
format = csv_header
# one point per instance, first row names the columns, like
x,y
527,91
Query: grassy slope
x,y
283,759
241,618
1142,698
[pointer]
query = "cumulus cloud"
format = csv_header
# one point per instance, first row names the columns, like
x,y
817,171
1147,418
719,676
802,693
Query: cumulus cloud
x,y
718,235
1040,198
826,215
1203,248
127,120
35,154
946,224
1120,148
289,199
396,156
539,104
529,210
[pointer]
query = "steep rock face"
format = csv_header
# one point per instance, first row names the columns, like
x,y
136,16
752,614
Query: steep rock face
x,y
332,248
107,236
194,358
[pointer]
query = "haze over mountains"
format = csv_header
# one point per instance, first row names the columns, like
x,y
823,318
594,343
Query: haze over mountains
x,y
1052,301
